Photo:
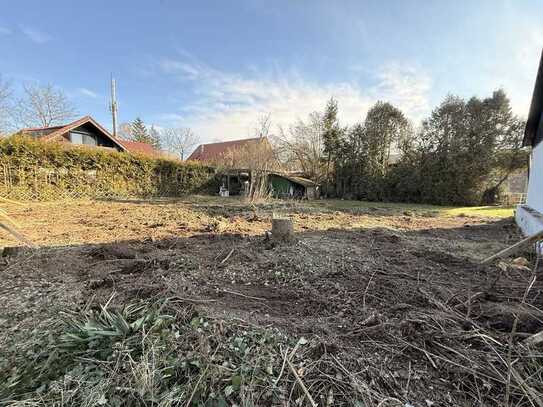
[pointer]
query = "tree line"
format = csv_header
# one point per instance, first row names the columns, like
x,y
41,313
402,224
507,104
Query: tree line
x,y
46,106
461,154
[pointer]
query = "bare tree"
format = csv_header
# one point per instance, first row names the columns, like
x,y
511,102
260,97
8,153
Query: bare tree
x,y
178,141
263,125
301,147
125,131
43,106
5,107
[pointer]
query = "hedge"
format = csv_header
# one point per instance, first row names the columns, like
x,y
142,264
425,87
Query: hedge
x,y
34,170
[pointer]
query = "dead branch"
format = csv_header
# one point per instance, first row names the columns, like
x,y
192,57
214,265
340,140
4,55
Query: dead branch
x,y
17,235
534,339
227,257
243,295
514,248
300,382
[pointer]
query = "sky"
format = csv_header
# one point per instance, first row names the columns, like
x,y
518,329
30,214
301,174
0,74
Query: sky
x,y
217,66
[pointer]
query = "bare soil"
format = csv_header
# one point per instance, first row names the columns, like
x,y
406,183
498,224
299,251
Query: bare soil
x,y
385,290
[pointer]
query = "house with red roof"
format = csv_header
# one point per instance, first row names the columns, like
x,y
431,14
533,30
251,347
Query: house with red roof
x,y
138,147
88,132
214,152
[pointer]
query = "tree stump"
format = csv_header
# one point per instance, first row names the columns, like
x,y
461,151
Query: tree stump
x,y
282,229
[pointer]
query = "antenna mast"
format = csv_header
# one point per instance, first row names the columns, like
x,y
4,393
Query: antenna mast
x,y
113,106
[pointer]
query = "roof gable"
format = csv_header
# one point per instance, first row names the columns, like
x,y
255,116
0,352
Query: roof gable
x,y
49,133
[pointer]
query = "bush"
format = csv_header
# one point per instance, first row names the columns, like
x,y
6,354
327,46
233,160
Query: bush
x,y
34,170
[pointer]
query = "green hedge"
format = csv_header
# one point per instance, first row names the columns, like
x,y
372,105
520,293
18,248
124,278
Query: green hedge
x,y
34,170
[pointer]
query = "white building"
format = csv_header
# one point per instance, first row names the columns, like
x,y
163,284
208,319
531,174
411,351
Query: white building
x,y
529,217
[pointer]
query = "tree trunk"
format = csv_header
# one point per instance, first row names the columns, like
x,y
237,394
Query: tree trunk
x,y
282,229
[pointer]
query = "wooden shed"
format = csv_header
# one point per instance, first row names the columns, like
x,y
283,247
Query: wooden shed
x,y
288,186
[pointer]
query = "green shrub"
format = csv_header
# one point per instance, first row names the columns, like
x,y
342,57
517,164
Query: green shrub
x,y
145,354
33,170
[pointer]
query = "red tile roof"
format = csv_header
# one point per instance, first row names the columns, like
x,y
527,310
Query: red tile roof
x,y
211,151
139,147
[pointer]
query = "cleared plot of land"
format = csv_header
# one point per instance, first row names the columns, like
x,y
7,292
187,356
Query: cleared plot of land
x,y
393,292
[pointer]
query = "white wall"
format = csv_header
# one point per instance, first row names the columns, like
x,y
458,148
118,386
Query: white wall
x,y
535,182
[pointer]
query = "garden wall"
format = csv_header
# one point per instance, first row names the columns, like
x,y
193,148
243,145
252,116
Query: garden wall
x,y
34,170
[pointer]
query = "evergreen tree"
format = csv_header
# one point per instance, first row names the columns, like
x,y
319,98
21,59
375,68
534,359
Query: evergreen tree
x,y
351,163
465,151
332,137
139,131
154,138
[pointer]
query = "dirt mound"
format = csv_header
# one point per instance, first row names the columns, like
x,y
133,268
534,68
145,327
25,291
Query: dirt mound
x,y
505,317
114,251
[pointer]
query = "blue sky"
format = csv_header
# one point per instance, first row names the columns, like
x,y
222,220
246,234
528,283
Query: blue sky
x,y
216,66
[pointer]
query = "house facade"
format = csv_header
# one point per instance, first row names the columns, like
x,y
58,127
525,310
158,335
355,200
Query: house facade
x,y
289,186
279,184
241,162
88,132
85,131
529,216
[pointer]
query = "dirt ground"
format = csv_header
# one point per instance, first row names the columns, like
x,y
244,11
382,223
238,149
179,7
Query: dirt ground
x,y
384,287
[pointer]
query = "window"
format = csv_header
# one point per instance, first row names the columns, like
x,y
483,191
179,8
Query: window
x,y
89,140
76,138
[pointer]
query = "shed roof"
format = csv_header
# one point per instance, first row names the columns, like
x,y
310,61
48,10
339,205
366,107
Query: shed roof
x,y
531,136
297,180
139,147
211,151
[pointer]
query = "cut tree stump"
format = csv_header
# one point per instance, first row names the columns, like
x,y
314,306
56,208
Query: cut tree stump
x,y
282,229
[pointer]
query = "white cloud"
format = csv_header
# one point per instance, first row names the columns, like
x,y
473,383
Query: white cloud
x,y
176,67
227,106
87,92
5,31
35,35
513,66
406,87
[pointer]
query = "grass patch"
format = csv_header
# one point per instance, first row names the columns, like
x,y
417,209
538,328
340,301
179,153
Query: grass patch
x,y
420,209
327,205
481,211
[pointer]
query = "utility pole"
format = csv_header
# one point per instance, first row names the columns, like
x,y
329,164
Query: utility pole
x,y
113,106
